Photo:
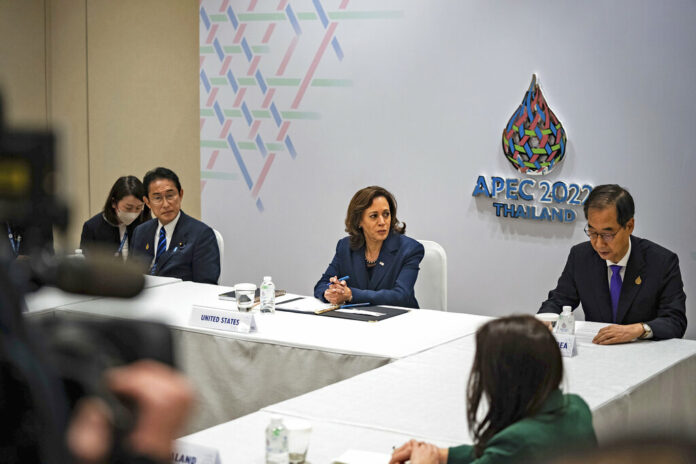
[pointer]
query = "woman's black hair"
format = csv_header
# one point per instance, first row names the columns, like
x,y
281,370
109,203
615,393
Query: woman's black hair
x,y
516,367
124,186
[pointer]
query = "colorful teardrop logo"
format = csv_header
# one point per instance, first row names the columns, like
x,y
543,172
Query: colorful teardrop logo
x,y
534,140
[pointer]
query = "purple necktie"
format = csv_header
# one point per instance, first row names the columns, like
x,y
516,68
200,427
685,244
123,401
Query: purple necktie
x,y
615,288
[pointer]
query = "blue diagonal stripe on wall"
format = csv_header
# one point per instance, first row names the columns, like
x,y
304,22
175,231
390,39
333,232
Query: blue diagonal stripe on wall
x,y
233,18
322,14
293,20
240,161
205,81
204,17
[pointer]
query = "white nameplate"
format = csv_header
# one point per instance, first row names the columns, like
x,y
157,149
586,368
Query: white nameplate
x,y
189,453
566,343
222,319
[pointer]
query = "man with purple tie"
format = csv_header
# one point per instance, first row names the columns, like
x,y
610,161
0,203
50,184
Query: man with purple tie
x,y
630,282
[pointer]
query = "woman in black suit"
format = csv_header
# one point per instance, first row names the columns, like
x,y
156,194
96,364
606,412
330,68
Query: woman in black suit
x,y
111,230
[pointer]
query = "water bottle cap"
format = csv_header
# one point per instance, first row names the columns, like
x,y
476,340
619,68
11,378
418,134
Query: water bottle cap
x,y
266,277
567,309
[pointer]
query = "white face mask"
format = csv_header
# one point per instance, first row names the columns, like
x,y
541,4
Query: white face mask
x,y
126,218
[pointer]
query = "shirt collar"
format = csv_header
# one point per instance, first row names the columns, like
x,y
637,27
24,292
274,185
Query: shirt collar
x,y
623,261
169,227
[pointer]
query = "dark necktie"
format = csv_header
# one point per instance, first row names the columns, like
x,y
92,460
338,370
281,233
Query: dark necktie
x,y
161,248
615,288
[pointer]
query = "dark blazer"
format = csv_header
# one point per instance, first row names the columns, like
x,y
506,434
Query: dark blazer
x,y
563,421
652,290
392,279
97,233
192,251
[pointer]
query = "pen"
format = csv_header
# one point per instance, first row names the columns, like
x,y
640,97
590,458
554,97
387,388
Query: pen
x,y
344,278
355,305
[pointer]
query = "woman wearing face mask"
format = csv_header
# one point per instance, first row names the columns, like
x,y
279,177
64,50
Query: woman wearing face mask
x,y
110,231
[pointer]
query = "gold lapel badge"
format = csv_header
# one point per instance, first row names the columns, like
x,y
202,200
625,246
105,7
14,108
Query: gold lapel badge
x,y
638,280
147,246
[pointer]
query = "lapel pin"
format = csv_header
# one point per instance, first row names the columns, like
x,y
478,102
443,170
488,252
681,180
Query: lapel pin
x,y
381,263
147,247
638,280
181,243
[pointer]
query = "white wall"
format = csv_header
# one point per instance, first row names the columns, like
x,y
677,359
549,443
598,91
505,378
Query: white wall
x,y
432,86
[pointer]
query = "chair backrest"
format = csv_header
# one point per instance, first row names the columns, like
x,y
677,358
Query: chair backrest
x,y
431,285
221,247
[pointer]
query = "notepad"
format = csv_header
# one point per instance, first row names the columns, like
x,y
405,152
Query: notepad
x,y
361,457
302,305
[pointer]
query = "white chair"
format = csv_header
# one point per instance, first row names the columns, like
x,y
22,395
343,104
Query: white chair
x,y
431,285
221,247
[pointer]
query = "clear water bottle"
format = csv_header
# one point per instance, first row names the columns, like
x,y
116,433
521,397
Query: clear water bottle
x,y
277,442
267,295
566,322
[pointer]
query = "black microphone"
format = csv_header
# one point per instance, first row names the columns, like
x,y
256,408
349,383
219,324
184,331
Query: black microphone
x,y
96,274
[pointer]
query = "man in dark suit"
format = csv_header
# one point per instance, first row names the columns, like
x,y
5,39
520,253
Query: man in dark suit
x,y
175,244
628,281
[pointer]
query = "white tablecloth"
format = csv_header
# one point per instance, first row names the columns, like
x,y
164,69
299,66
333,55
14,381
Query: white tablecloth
x,y
630,388
290,354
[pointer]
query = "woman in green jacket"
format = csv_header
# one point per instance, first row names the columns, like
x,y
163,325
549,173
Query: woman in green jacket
x,y
517,369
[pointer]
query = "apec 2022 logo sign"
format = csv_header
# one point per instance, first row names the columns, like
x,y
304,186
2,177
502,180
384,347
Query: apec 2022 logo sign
x,y
534,142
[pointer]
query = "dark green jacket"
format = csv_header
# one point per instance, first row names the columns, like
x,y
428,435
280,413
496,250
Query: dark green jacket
x,y
563,421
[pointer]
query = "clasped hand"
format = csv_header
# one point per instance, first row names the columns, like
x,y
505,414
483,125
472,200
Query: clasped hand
x,y
338,292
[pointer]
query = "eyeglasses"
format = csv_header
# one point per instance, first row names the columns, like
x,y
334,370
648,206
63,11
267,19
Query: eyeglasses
x,y
158,199
606,236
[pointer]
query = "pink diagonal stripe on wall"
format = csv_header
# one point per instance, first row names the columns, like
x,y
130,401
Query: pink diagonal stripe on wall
x,y
343,5
240,97
283,131
213,158
269,31
224,5
252,5
254,129
262,176
211,97
225,65
254,65
313,67
282,5
286,58
225,129
240,33
267,100
211,34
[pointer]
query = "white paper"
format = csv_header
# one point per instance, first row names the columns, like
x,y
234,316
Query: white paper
x,y
362,457
364,312
190,452
305,305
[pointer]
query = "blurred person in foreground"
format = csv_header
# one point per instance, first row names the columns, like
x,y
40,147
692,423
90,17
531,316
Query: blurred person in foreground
x,y
381,262
516,374
630,282
111,230
173,243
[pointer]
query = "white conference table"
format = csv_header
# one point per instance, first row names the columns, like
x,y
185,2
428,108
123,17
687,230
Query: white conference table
x,y
290,354
631,388
635,388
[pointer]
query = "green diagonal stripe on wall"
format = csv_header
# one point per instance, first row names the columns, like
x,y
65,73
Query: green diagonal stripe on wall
x,y
261,16
300,115
218,175
283,81
207,112
275,147
246,81
218,80
214,144
332,83
246,145
335,15
306,16
218,18
260,48
232,113
261,114
232,48
206,50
